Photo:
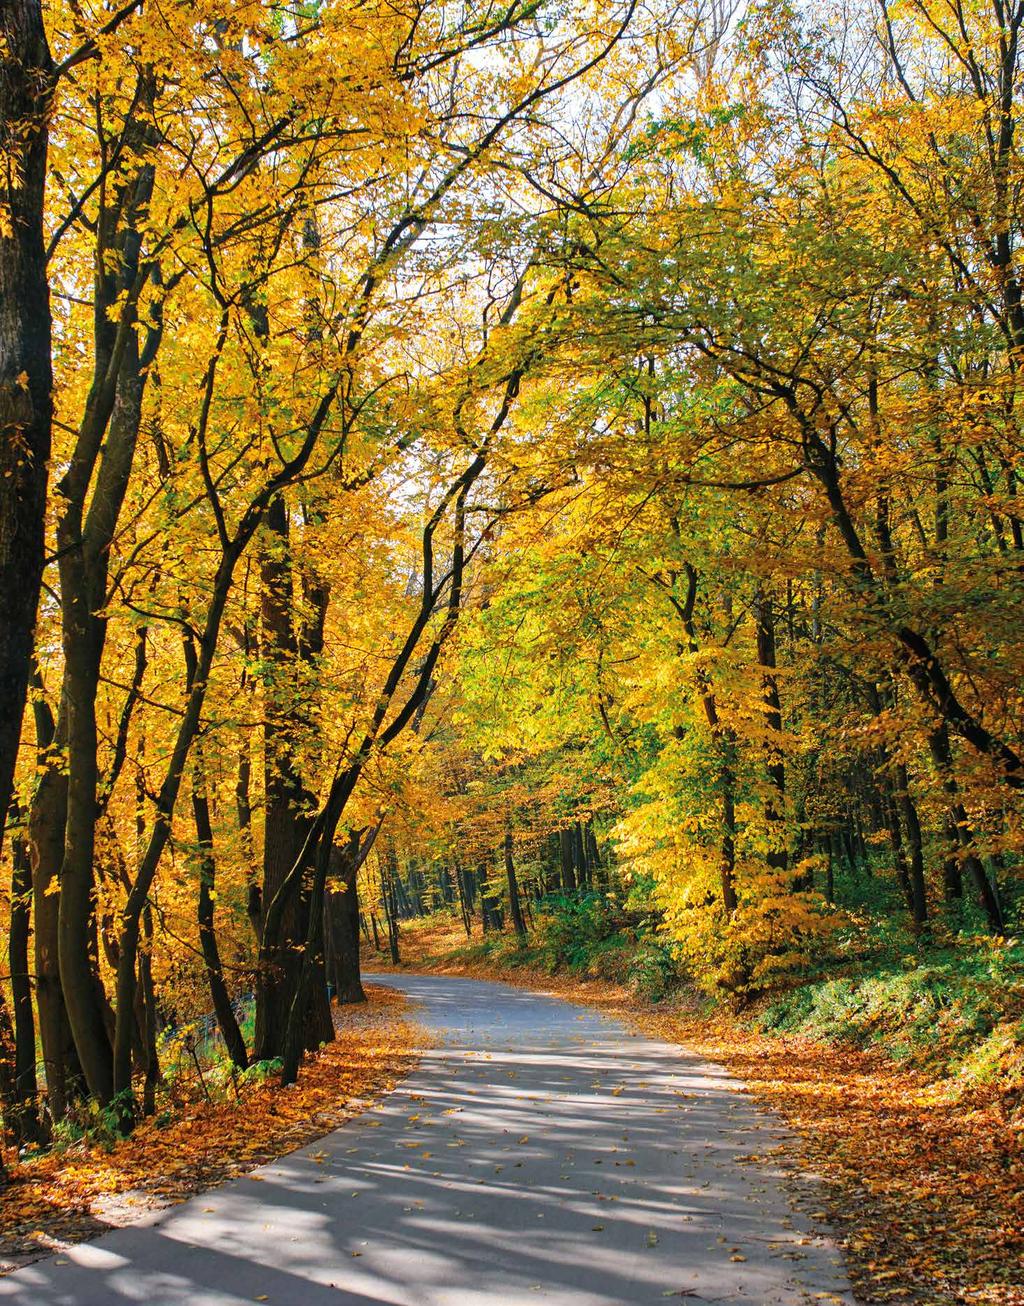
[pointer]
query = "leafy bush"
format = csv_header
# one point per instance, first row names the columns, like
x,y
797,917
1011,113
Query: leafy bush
x,y
652,970
956,1013
91,1124
596,935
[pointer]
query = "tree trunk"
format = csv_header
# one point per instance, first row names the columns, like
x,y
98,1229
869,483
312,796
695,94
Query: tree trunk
x,y
565,861
388,898
243,811
908,810
775,806
64,1079
91,494
491,915
960,823
579,849
952,877
77,877
288,807
892,822
22,1111
342,925
26,375
225,1012
515,910
149,1016
725,744
464,905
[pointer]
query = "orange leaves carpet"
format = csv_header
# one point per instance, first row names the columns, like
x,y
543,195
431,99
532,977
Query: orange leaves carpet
x,y
76,1193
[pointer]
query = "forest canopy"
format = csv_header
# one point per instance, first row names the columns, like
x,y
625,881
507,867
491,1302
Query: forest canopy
x,y
530,461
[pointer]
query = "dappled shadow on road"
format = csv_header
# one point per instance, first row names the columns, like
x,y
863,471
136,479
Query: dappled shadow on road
x,y
540,1152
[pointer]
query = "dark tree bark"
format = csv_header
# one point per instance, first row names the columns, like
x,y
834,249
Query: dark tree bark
x,y
91,493
388,898
912,824
891,819
593,852
225,1012
566,863
26,375
579,849
8,1078
962,832
64,1079
243,811
491,915
288,811
775,807
342,924
150,1020
515,911
22,1111
952,876
725,745
465,907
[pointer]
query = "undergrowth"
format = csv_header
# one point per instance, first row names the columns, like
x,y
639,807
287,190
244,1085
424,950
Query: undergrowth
x,y
958,1015
595,935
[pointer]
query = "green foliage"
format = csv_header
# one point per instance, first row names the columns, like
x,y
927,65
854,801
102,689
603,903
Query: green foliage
x,y
259,1071
592,935
89,1123
652,971
956,1013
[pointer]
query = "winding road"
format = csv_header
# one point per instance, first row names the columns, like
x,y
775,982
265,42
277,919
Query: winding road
x,y
540,1152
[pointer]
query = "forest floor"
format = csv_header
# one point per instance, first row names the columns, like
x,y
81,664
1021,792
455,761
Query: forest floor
x,y
75,1192
925,1189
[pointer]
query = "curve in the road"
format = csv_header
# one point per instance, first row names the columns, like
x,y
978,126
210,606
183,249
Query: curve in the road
x,y
541,1152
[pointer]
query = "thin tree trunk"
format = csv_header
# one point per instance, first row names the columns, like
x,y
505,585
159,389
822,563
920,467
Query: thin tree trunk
x,y
149,1016
91,493
514,909
23,1109
287,810
775,806
388,898
243,811
565,858
224,1011
952,876
960,823
725,744
464,907
64,1080
908,810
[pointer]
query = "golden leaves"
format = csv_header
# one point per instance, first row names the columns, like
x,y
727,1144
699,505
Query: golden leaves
x,y
205,1143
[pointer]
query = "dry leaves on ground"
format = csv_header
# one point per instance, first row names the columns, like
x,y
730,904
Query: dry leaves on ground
x,y
73,1194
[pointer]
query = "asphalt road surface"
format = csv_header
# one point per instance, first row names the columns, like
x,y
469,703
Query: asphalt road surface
x,y
541,1152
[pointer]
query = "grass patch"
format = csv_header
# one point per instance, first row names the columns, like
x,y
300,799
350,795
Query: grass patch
x,y
956,1015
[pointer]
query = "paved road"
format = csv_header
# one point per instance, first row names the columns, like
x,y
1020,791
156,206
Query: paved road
x,y
540,1153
